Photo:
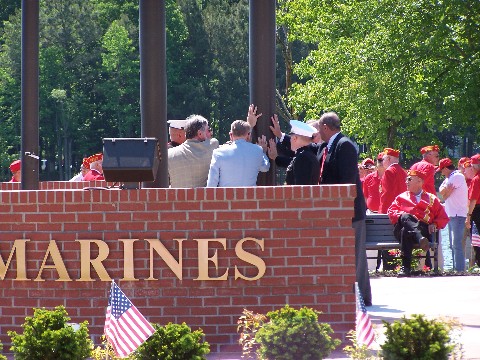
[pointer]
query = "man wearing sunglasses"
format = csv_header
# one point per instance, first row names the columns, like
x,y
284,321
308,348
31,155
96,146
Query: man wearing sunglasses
x,y
416,215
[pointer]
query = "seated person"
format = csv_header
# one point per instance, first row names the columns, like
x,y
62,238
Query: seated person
x,y
416,215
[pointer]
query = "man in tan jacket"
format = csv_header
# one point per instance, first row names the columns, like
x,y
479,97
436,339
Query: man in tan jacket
x,y
188,163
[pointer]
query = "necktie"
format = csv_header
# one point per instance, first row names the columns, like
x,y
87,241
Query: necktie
x,y
324,156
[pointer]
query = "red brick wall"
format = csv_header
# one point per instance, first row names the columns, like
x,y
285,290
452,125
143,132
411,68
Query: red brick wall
x,y
308,252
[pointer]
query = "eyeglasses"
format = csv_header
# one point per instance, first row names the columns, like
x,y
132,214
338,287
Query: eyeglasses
x,y
210,129
409,178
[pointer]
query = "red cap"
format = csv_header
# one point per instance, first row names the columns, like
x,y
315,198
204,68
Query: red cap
x,y
443,164
428,148
368,163
418,173
85,163
15,166
475,159
463,160
391,152
93,158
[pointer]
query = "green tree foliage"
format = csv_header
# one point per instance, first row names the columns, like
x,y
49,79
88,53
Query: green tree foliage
x,y
70,52
8,7
48,336
387,67
226,24
10,69
121,88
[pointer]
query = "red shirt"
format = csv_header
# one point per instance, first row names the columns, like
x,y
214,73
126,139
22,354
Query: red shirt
x,y
428,209
429,170
371,190
474,189
393,183
93,175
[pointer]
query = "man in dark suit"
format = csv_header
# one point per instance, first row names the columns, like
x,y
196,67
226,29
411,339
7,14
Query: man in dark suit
x,y
338,158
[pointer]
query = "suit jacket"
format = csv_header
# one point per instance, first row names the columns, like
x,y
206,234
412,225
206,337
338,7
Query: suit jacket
x,y
237,164
189,162
285,153
304,169
341,167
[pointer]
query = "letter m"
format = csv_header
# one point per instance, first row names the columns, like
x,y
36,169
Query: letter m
x,y
19,249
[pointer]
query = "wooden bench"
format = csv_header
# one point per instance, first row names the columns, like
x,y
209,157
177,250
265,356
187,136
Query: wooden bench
x,y
380,236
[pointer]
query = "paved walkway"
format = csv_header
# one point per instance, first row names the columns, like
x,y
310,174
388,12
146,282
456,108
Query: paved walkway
x,y
453,296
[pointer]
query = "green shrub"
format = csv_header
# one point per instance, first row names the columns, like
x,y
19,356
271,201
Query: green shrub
x,y
106,352
48,336
295,335
248,325
358,351
173,342
1,356
417,338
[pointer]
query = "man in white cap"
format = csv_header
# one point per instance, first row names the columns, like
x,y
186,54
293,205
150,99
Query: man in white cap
x,y
188,163
176,130
304,169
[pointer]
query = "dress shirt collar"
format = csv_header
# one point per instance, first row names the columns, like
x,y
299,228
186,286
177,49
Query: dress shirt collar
x,y
331,140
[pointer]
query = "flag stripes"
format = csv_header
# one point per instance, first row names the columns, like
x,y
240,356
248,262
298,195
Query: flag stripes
x,y
363,324
125,327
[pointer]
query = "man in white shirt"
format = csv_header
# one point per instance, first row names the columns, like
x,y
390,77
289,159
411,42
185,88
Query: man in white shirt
x,y
454,192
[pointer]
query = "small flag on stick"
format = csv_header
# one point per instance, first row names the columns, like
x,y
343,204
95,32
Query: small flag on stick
x,y
125,328
363,325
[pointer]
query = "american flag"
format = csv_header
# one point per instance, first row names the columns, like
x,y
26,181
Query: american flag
x,y
475,236
125,328
363,325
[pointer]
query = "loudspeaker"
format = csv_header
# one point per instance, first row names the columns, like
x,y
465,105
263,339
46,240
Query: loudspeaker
x,y
130,159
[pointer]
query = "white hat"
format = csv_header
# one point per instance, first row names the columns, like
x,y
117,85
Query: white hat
x,y
302,129
177,124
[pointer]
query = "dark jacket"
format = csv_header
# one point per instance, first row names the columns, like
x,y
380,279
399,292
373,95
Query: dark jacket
x,y
341,167
304,168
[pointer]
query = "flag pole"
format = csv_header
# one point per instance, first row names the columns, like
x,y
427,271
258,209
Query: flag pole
x,y
107,349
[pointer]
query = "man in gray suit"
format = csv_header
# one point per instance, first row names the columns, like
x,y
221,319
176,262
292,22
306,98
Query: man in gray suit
x,y
189,162
238,163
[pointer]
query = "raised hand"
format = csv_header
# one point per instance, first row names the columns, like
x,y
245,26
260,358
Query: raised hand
x,y
272,149
276,126
252,116
262,142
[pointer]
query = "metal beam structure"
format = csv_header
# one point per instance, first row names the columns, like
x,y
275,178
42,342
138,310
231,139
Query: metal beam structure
x,y
30,95
153,81
262,71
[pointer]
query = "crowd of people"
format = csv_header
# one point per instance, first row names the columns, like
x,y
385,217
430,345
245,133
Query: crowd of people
x,y
317,152
414,206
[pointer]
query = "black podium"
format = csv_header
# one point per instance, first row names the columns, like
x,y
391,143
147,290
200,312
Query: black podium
x,y
130,160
